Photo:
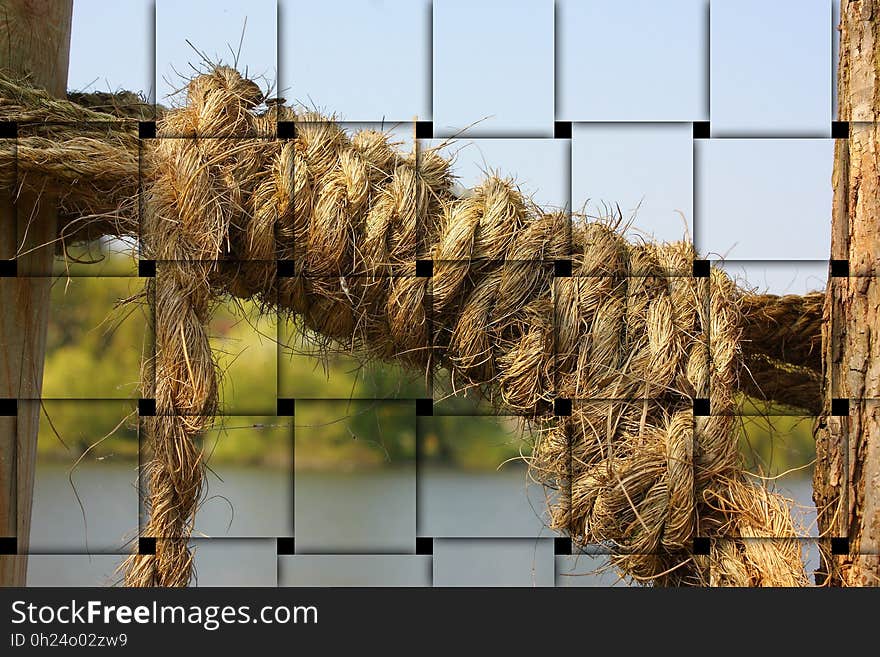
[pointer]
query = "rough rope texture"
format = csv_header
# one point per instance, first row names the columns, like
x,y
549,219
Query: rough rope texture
x,y
782,331
632,337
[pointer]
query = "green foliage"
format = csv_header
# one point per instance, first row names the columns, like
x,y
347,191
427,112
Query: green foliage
x,y
250,440
92,429
94,345
354,433
473,442
773,445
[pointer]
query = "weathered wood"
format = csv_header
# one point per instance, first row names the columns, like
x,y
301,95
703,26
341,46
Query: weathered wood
x,y
847,472
34,39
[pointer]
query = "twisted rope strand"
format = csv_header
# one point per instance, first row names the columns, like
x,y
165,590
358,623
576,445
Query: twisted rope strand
x,y
629,337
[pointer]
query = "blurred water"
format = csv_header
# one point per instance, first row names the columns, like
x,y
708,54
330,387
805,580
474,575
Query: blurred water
x,y
490,528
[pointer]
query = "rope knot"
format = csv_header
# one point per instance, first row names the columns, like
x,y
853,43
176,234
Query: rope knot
x,y
625,336
219,104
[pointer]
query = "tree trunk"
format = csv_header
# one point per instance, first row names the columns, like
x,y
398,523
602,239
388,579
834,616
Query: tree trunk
x,y
34,39
847,474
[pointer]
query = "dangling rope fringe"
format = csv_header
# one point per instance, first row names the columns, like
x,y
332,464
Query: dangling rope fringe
x,y
631,336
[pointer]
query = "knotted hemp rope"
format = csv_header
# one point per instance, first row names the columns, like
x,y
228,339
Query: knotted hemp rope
x,y
632,337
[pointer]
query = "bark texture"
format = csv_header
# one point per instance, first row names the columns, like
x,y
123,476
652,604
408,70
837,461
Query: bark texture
x,y
847,476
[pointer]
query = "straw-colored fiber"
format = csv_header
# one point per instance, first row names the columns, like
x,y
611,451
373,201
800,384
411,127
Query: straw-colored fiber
x,y
632,337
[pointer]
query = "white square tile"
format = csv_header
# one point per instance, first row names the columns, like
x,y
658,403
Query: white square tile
x,y
493,562
632,61
361,60
646,170
85,496
131,40
587,570
778,277
248,487
234,562
540,168
320,570
243,35
493,67
764,199
771,68
460,499
74,569
355,484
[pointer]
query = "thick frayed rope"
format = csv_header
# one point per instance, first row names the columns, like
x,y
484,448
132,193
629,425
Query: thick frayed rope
x,y
632,337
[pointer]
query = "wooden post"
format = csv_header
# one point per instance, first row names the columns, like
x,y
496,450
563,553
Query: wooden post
x,y
848,445
34,39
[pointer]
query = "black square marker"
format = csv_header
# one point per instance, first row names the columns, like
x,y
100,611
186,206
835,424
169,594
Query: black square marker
x,y
701,269
285,545
147,268
286,130
286,269
424,129
146,545
425,268
8,268
424,545
562,545
840,268
562,130
286,407
562,407
840,546
8,129
840,129
701,545
8,545
424,407
562,268
146,407
701,406
9,407
147,129
701,129
840,407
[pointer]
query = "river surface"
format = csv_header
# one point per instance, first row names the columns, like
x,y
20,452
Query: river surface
x,y
351,529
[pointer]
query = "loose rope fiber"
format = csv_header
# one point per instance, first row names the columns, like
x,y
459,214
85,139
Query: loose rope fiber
x,y
631,337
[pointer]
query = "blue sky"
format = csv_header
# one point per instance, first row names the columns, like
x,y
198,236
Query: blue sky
x,y
635,74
